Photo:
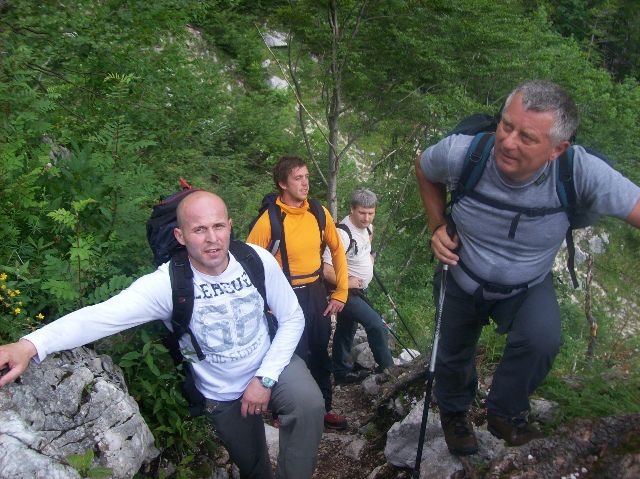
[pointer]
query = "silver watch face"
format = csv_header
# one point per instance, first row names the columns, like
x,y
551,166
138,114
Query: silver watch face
x,y
267,382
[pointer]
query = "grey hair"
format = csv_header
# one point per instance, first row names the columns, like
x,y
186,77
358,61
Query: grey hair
x,y
543,96
364,198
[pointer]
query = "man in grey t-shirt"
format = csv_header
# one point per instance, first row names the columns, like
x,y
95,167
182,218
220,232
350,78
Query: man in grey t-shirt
x,y
500,265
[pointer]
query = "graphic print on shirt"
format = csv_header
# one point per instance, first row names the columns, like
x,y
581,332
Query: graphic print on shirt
x,y
228,320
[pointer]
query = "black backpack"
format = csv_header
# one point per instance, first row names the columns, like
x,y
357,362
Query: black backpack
x,y
483,127
166,248
276,220
353,244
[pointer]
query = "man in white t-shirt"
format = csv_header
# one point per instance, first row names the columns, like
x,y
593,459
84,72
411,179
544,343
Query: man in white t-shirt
x,y
243,372
356,232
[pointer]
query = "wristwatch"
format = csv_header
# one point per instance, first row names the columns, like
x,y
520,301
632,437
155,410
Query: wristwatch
x,y
266,382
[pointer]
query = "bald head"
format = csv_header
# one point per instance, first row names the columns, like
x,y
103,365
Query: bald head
x,y
204,228
196,202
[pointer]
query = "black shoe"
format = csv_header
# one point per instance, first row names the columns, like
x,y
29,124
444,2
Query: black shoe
x,y
514,431
351,377
458,434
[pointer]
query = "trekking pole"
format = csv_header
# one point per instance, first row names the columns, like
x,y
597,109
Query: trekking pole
x,y
366,300
393,305
431,372
413,356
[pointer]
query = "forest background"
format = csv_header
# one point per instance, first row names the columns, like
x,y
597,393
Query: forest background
x,y
105,104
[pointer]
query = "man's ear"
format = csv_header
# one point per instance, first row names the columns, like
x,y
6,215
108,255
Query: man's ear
x,y
177,232
559,149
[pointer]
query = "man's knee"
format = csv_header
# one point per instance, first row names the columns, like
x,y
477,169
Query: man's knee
x,y
538,345
298,393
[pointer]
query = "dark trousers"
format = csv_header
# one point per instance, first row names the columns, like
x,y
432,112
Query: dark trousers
x,y
315,338
531,321
358,310
298,403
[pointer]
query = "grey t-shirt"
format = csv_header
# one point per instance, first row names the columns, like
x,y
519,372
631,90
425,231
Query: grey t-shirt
x,y
486,248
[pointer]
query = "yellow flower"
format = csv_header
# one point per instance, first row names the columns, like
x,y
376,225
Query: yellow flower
x,y
17,291
40,316
4,286
17,311
3,277
11,293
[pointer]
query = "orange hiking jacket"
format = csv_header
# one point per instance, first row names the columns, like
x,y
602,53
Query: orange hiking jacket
x,y
302,240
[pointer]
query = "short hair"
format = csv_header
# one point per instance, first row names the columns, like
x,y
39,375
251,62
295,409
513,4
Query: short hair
x,y
286,165
364,198
543,96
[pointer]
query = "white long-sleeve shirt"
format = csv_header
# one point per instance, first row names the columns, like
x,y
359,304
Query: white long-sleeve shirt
x,y
228,322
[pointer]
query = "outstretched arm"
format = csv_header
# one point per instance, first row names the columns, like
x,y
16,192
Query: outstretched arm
x,y
634,217
434,197
14,359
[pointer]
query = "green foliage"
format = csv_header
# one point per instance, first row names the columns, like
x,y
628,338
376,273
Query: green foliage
x,y
82,464
155,384
15,319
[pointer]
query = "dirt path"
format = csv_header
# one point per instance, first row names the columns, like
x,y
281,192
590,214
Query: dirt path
x,y
357,451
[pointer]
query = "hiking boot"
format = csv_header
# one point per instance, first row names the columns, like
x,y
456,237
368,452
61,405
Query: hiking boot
x,y
333,421
458,434
351,377
515,431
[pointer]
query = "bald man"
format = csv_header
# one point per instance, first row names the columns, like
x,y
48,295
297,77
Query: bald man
x,y
243,372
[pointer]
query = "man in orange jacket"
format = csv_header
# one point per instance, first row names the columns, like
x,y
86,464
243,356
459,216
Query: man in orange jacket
x,y
302,243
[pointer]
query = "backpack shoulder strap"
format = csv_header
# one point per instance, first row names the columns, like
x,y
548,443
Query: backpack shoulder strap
x,y
251,263
475,162
352,243
565,186
253,266
318,211
566,191
181,277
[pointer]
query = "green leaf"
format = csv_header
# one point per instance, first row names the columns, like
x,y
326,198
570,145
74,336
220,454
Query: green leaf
x,y
81,462
131,355
100,472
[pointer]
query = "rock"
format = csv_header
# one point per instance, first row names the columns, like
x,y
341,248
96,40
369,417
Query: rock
x,y
543,410
405,356
273,442
355,448
598,447
370,386
72,402
363,356
437,462
220,473
597,244
277,83
275,39
360,336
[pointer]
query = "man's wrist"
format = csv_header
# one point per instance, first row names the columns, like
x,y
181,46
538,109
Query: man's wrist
x,y
266,382
437,226
28,347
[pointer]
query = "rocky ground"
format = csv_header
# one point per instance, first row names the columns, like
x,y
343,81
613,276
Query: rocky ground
x,y
358,451
595,448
